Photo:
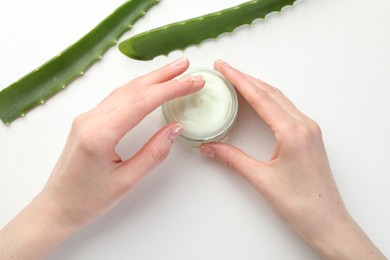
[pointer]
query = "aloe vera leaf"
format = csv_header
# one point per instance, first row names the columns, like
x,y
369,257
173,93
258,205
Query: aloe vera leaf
x,y
179,35
37,86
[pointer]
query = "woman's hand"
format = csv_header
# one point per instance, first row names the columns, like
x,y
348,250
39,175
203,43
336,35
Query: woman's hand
x,y
297,181
90,177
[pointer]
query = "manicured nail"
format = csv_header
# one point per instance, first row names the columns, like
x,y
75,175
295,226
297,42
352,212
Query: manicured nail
x,y
179,62
174,132
186,78
207,151
198,80
222,63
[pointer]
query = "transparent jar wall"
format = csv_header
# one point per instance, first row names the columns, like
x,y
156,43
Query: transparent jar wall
x,y
212,78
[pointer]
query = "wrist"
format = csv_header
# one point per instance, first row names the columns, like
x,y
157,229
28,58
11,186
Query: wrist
x,y
34,232
344,239
54,215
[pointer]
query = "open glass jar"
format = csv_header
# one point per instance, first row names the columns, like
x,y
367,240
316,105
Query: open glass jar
x,y
208,114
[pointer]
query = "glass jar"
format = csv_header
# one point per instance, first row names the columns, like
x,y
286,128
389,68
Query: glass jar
x,y
208,114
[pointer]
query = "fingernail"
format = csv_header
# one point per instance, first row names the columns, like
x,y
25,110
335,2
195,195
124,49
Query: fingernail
x,y
221,62
198,80
174,132
207,151
179,62
186,79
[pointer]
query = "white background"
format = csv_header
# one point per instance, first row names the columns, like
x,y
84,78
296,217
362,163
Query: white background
x,y
332,58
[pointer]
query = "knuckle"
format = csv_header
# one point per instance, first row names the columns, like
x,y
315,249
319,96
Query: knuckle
x,y
85,135
316,126
273,90
137,81
159,154
259,94
228,161
301,132
116,92
230,164
267,91
304,133
79,122
138,100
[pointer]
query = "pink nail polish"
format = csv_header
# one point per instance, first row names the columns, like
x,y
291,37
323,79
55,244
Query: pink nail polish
x,y
179,62
174,132
209,152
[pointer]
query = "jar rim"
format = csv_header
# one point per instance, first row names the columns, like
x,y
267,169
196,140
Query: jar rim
x,y
214,135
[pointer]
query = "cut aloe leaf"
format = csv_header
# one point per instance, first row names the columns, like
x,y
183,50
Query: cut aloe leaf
x,y
37,86
179,35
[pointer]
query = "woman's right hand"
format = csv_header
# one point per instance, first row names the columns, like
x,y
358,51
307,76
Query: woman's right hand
x,y
297,181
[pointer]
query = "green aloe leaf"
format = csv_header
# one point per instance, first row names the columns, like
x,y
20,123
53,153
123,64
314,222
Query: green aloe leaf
x,y
37,86
179,35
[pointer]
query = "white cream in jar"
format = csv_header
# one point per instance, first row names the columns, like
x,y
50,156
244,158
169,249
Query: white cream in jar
x,y
208,114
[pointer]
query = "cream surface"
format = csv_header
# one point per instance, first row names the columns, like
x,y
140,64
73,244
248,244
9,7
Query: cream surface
x,y
205,110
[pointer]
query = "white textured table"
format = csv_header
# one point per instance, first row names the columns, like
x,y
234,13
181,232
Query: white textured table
x,y
332,58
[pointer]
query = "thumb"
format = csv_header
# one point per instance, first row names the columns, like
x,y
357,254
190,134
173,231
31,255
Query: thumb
x,y
233,158
154,152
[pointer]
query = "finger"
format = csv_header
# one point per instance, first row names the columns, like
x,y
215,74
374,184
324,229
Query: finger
x,y
131,109
154,152
162,74
278,96
261,101
171,89
124,109
165,73
233,158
